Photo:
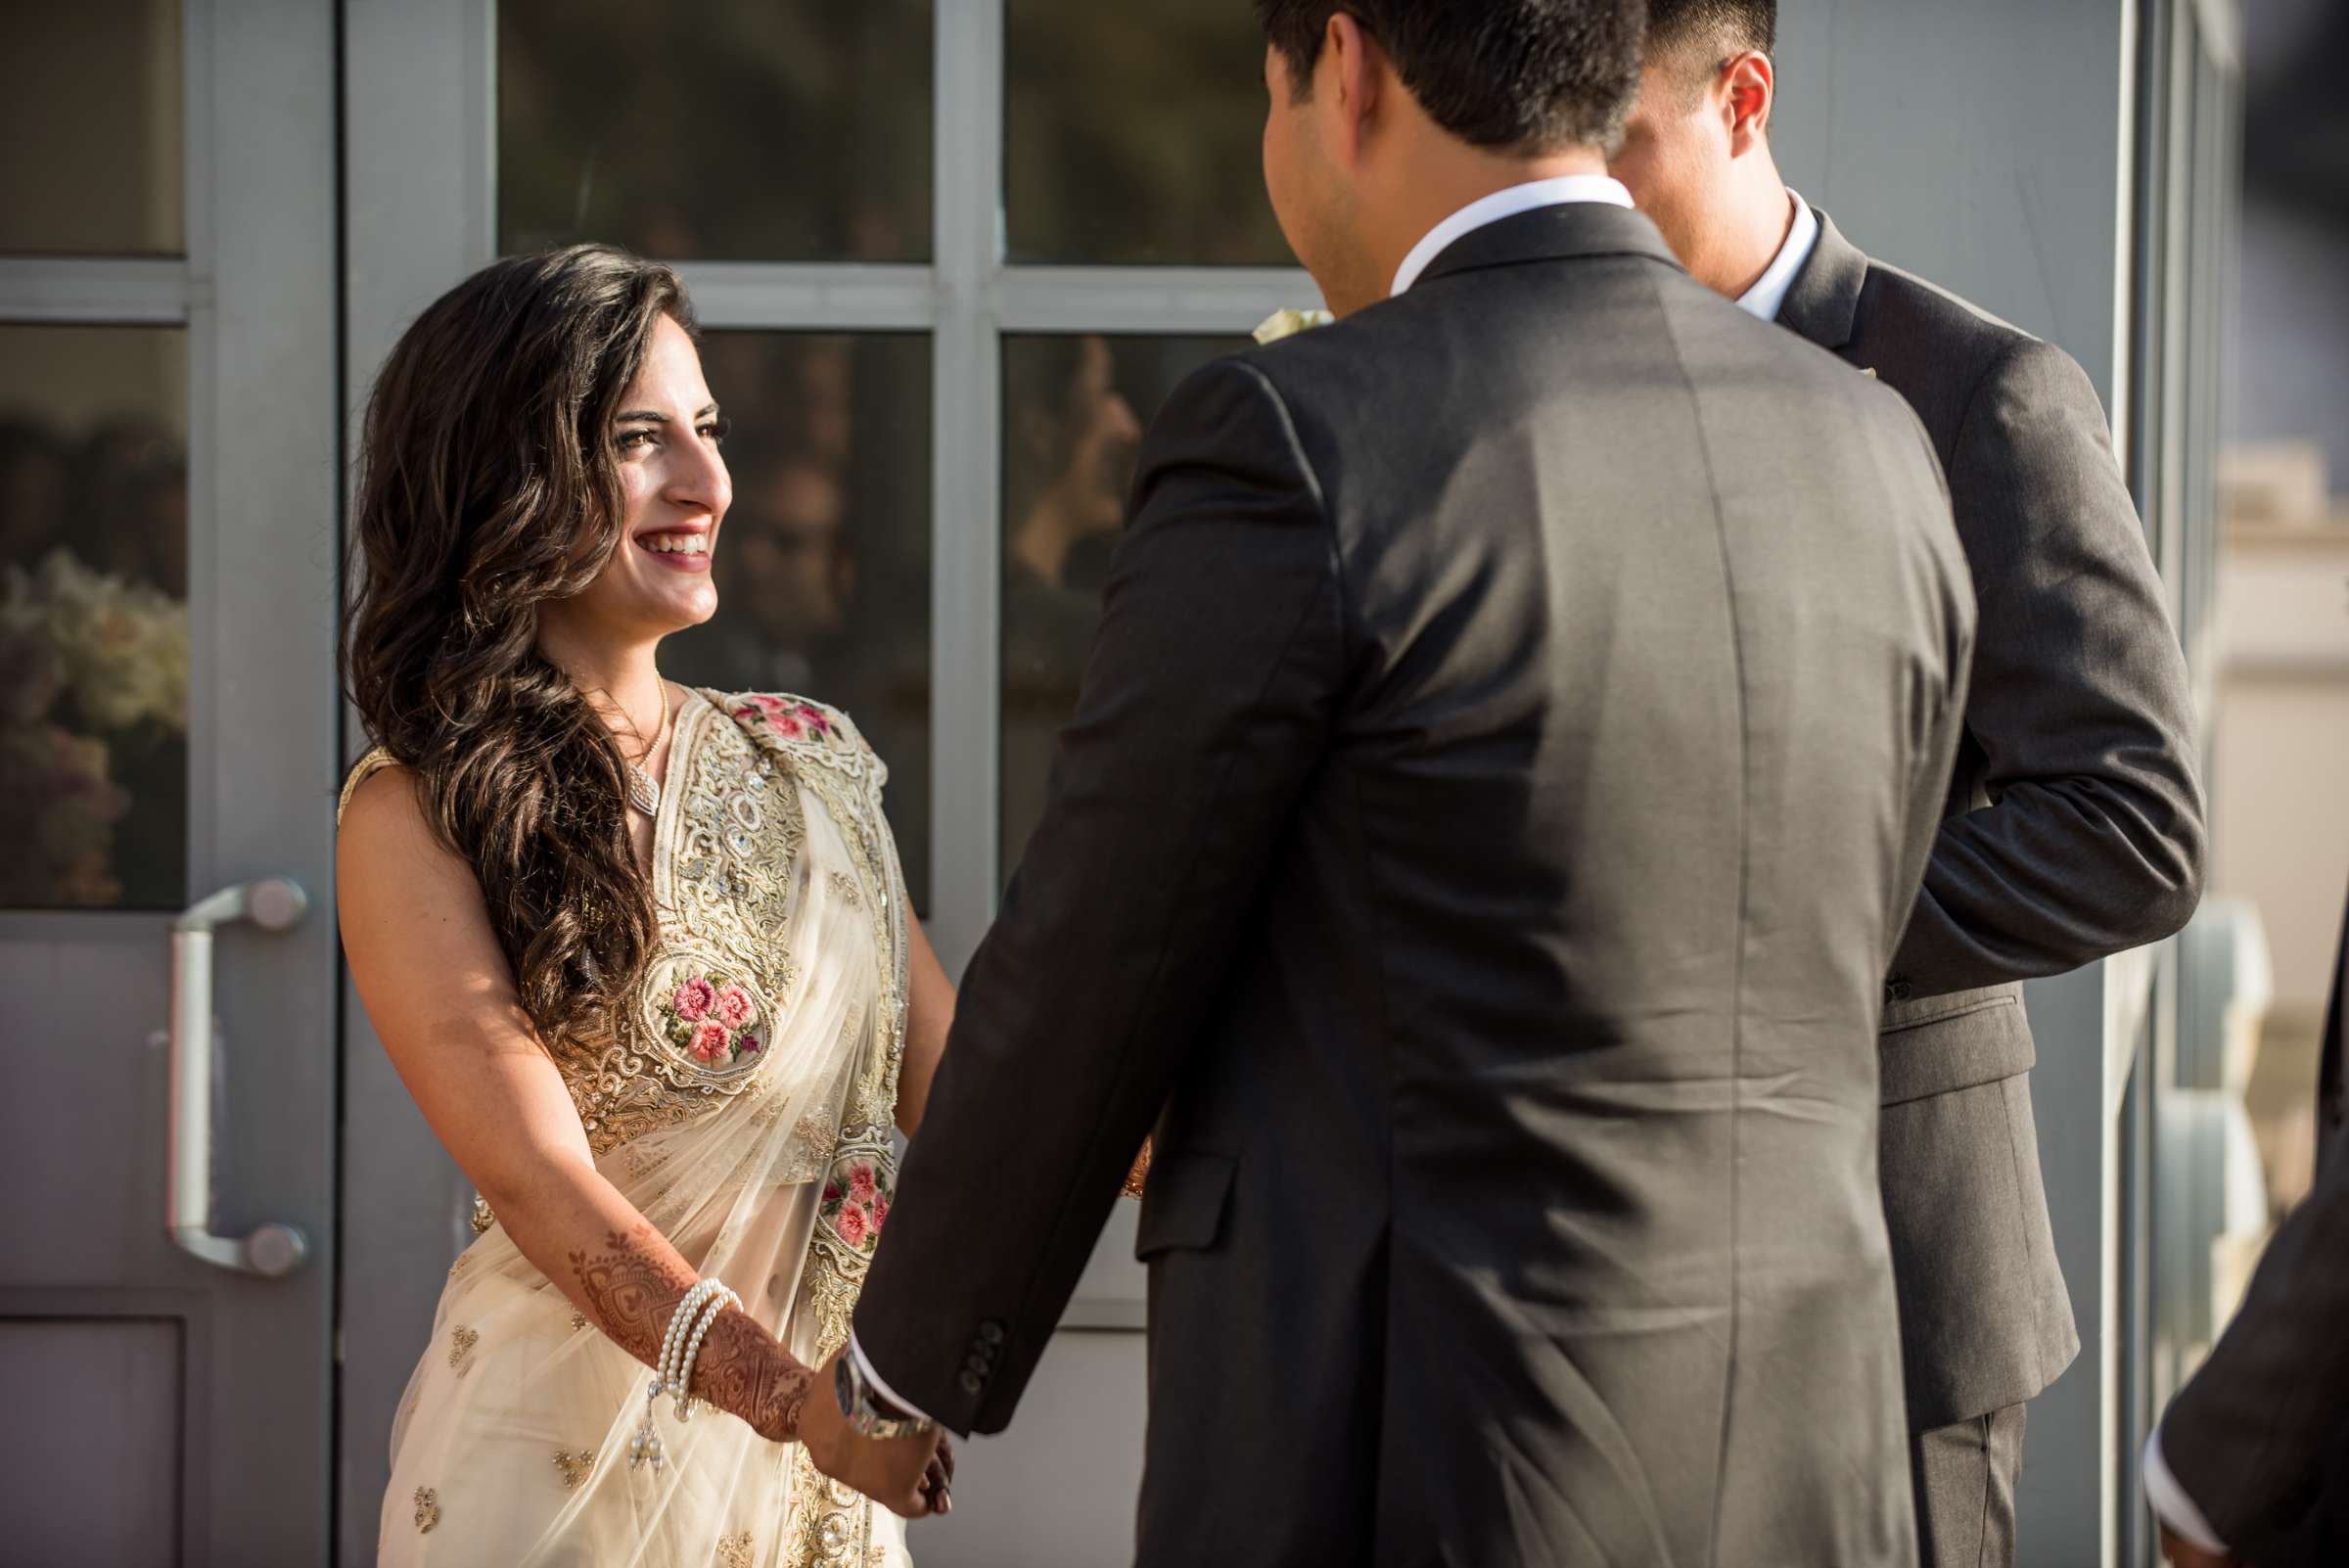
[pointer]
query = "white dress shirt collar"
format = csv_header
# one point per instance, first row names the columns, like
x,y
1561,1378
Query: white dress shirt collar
x,y
1767,296
1506,203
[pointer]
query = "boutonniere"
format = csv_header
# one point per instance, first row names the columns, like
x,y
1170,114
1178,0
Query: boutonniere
x,y
1289,323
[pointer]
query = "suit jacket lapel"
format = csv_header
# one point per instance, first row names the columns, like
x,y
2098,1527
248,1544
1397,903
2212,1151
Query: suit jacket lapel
x,y
1552,234
1823,303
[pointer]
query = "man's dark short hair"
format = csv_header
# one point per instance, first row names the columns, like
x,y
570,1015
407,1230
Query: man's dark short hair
x,y
1513,76
1717,30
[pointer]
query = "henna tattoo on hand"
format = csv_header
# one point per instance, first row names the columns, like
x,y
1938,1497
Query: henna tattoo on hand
x,y
743,1369
629,1294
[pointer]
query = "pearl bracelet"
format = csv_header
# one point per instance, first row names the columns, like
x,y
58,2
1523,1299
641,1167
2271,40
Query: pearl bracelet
x,y
680,1346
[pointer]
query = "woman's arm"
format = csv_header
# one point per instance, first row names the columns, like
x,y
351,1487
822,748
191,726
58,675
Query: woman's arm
x,y
441,996
928,1018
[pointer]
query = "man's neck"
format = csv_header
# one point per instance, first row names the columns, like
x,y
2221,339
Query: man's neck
x,y
1446,179
1759,218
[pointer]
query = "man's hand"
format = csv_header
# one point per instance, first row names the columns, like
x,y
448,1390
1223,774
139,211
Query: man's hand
x,y
2182,1553
909,1476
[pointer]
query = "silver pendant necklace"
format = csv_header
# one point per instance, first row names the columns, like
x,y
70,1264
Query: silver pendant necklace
x,y
644,794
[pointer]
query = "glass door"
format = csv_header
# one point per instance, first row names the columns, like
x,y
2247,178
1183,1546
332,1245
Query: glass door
x,y
166,781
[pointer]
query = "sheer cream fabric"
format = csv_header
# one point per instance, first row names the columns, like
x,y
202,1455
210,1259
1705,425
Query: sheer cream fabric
x,y
763,1151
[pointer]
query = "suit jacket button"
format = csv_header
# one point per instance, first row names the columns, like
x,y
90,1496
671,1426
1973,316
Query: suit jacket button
x,y
990,1332
971,1382
979,1364
1899,991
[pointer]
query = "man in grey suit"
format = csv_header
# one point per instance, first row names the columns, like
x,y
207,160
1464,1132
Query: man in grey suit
x,y
2075,817
1517,726
2254,1452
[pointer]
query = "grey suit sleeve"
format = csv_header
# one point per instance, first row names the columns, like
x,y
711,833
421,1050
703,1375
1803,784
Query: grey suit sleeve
x,y
2247,1436
1207,702
2094,838
1940,717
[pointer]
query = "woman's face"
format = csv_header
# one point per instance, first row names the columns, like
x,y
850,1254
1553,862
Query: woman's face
x,y
676,492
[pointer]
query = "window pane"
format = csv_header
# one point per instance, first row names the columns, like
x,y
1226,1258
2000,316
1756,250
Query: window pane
x,y
93,618
1073,409
1133,134
90,97
823,562
759,130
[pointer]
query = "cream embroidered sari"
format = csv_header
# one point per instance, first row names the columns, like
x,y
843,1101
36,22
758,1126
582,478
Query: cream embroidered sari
x,y
745,1111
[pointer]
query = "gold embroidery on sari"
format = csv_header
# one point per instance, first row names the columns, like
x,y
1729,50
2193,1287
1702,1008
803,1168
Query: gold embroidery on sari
x,y
730,843
428,1510
828,1523
574,1467
461,1341
734,1551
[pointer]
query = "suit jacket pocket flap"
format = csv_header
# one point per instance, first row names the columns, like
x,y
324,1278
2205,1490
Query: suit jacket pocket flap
x,y
1183,1203
1958,1042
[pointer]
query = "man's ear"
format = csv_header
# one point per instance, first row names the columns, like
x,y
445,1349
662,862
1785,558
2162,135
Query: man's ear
x,y
1355,66
1751,86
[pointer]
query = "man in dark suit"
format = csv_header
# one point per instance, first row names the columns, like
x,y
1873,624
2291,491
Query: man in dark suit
x,y
1518,723
2254,1452
2075,817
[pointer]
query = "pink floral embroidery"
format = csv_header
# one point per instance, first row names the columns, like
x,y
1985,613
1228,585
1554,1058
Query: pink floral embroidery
x,y
693,998
712,1017
857,1200
793,720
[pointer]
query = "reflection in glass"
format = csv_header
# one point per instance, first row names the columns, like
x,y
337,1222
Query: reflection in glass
x,y
762,130
1133,133
93,618
822,564
90,111
1073,414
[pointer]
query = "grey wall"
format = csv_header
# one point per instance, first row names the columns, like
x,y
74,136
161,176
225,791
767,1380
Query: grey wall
x,y
1976,143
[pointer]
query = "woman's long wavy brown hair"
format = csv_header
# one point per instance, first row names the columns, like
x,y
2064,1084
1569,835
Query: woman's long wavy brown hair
x,y
489,485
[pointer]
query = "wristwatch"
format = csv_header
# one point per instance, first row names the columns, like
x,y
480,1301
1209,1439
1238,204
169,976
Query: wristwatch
x,y
861,1405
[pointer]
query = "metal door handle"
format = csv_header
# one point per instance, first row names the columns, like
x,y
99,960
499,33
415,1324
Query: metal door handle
x,y
273,904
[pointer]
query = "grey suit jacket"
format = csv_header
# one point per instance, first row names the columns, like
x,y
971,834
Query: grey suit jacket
x,y
2260,1437
1510,752
2074,818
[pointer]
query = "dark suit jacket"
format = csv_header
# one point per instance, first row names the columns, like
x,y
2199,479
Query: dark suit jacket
x,y
2260,1437
2074,819
1508,755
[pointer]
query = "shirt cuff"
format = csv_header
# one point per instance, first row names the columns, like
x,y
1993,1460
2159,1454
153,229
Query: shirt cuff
x,y
2170,1501
865,1370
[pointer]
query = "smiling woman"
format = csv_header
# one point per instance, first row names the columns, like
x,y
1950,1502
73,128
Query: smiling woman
x,y
641,952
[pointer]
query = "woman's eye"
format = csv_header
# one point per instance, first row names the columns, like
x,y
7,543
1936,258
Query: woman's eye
x,y
717,431
630,440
